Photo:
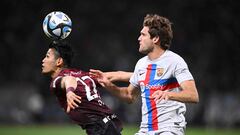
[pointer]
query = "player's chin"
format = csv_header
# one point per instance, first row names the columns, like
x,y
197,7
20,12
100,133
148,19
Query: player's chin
x,y
143,51
44,72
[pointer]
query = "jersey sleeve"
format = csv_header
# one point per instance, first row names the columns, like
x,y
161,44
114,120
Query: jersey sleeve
x,y
134,78
182,72
56,84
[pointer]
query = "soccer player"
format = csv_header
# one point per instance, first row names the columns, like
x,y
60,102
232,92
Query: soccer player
x,y
162,78
77,93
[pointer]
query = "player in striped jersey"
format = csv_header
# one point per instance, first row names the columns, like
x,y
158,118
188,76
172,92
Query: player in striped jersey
x,y
163,78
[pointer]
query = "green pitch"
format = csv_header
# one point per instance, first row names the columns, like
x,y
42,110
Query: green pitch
x,y
75,130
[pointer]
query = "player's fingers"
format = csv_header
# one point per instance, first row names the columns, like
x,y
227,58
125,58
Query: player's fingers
x,y
68,109
102,83
97,72
166,97
76,97
79,99
155,94
162,97
76,100
70,105
68,101
92,74
157,98
93,71
74,104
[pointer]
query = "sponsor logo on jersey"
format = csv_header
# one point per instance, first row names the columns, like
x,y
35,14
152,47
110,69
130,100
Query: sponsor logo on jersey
x,y
154,86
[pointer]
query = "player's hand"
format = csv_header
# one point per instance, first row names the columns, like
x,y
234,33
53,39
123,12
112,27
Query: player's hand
x,y
160,95
72,101
100,76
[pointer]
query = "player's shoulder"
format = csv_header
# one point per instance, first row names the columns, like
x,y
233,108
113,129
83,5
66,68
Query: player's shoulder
x,y
72,72
142,61
56,82
173,56
170,53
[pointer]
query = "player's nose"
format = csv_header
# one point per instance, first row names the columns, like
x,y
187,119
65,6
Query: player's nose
x,y
43,60
139,38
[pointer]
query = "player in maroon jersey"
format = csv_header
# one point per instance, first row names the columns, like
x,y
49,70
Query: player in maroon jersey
x,y
77,94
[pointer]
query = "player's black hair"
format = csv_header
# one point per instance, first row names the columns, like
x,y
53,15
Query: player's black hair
x,y
63,50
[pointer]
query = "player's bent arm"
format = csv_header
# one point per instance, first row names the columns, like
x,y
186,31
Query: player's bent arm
x,y
68,81
118,76
189,93
128,94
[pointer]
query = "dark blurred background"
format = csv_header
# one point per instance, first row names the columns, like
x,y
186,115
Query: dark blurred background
x,y
104,36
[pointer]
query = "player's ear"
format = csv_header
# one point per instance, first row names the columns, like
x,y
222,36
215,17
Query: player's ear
x,y
59,61
156,39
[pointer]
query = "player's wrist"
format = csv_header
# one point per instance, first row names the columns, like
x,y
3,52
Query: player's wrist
x,y
70,89
170,95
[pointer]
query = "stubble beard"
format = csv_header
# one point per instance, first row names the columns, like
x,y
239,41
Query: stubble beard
x,y
145,50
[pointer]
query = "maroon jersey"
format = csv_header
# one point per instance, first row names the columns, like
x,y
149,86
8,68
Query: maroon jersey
x,y
91,106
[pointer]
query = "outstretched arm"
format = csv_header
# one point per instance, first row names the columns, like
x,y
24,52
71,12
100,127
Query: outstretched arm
x,y
128,94
69,83
118,76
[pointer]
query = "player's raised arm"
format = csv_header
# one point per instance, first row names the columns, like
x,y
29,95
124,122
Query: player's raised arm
x,y
69,83
118,76
128,94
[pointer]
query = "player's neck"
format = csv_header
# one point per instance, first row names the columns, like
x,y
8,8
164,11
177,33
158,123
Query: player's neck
x,y
56,72
156,53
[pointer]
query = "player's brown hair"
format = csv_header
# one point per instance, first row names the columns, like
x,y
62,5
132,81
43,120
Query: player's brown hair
x,y
161,27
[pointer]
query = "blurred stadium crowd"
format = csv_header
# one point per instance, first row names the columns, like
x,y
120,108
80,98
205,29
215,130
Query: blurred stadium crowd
x,y
104,36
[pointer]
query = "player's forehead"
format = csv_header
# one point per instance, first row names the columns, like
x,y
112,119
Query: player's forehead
x,y
145,30
51,51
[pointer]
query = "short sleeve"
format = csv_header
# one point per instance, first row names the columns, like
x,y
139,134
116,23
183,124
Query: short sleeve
x,y
56,85
182,72
134,78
